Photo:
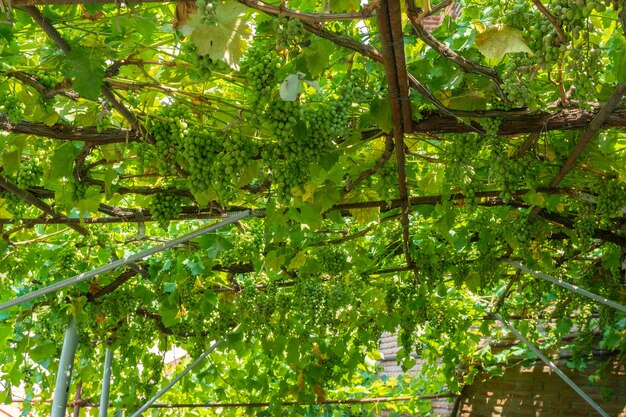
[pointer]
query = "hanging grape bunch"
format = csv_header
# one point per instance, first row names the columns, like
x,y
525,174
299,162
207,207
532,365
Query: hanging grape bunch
x,y
165,206
30,174
11,106
169,126
201,149
611,198
260,67
289,33
237,155
332,261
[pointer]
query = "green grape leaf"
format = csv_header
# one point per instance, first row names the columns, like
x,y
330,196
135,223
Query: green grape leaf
x,y
86,69
499,40
341,6
11,161
381,114
62,162
225,39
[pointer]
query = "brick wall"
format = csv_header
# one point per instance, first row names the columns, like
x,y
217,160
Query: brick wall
x,y
537,391
531,391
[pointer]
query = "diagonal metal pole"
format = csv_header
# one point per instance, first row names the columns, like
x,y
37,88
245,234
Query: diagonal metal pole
x,y
552,366
106,383
124,261
568,286
176,379
64,375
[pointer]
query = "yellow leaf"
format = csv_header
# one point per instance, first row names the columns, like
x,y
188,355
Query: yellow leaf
x,y
297,261
365,215
499,40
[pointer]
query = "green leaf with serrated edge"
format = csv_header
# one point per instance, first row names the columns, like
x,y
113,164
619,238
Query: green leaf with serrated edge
x,y
225,39
381,114
11,161
85,67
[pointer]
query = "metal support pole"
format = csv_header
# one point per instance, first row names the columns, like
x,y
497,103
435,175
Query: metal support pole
x,y
176,379
64,375
125,261
567,286
548,362
106,383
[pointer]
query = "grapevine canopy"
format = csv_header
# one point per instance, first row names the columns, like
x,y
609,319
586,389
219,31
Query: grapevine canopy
x,y
396,157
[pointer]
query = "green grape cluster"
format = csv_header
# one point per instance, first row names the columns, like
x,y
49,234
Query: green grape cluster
x,y
200,149
469,196
165,206
500,105
247,247
464,149
289,32
188,292
67,259
282,117
168,127
584,64
48,81
611,198
310,296
147,156
13,204
516,86
207,11
585,225
388,178
573,14
288,175
237,155
332,260
506,173
118,305
30,174
205,66
11,106
79,190
260,66
491,125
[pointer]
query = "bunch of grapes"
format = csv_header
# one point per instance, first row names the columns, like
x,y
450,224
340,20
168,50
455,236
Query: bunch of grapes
x,y
463,150
260,66
584,64
48,81
506,173
188,292
200,149
585,225
205,66
168,126
289,32
164,206
30,174
237,155
288,175
79,190
11,106
67,259
491,125
13,204
469,195
516,85
207,9
310,296
118,305
246,248
283,117
332,260
611,198
147,156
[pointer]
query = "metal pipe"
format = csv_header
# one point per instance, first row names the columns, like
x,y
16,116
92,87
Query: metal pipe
x,y
64,374
568,286
548,362
176,379
124,261
106,383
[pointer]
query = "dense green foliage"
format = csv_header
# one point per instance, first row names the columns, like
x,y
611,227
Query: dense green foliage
x,y
230,108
